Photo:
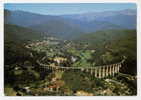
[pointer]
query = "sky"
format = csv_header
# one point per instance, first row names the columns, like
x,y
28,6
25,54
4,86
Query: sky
x,y
68,8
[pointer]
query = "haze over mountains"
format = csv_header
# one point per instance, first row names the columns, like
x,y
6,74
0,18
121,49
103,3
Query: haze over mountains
x,y
70,26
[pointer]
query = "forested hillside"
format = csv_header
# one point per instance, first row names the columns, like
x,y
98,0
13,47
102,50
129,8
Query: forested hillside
x,y
111,46
19,34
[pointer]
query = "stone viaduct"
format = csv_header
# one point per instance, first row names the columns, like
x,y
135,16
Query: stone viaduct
x,y
97,71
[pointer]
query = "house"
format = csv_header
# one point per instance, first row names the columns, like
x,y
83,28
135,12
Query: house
x,y
59,60
83,93
55,86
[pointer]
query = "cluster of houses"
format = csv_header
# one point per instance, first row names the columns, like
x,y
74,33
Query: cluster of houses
x,y
44,43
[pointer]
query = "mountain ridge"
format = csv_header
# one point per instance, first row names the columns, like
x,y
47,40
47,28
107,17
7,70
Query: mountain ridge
x,y
65,27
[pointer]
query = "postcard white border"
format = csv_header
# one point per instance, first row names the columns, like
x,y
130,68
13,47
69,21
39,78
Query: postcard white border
x,y
138,2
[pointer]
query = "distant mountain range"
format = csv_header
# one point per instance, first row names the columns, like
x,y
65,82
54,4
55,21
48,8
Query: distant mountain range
x,y
124,18
69,26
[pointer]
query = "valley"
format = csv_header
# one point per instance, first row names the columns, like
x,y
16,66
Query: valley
x,y
63,53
